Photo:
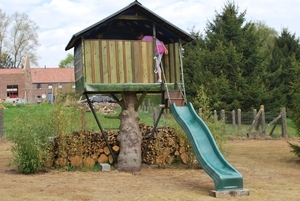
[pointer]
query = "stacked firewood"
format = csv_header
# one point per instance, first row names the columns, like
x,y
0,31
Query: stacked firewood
x,y
101,107
164,147
85,149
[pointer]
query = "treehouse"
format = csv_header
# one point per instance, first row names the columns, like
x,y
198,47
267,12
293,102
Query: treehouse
x,y
109,58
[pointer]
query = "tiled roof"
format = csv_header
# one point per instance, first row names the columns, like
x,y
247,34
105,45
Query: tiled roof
x,y
7,71
52,75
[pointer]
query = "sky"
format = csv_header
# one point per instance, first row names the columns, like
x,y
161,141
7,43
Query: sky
x,y
59,20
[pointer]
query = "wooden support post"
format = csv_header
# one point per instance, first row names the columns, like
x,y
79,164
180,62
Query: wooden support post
x,y
283,121
223,115
215,116
200,112
271,123
223,120
263,118
233,119
271,133
254,122
239,119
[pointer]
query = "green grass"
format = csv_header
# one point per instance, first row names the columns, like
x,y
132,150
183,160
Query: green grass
x,y
13,110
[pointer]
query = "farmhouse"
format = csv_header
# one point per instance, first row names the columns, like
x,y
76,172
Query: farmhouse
x,y
34,85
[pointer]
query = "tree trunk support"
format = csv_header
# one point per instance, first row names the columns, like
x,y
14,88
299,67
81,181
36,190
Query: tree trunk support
x,y
100,127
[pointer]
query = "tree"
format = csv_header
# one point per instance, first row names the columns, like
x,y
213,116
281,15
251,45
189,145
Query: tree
x,y
230,61
22,39
193,72
283,70
4,22
6,61
130,138
68,62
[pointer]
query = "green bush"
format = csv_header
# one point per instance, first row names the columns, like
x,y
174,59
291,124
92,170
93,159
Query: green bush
x,y
217,128
296,149
30,137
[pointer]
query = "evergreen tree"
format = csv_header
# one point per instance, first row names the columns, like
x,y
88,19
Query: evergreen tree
x,y
192,65
232,62
283,70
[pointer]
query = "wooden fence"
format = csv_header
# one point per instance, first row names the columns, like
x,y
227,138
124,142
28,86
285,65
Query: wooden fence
x,y
258,121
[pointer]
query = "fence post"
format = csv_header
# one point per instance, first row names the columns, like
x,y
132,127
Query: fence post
x,y
215,116
254,116
1,122
283,119
233,119
223,120
263,118
200,112
239,119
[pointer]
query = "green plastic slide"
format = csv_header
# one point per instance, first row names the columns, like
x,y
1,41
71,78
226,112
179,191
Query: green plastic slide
x,y
225,176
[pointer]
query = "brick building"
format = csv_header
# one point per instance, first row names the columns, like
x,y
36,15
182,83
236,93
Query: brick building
x,y
33,85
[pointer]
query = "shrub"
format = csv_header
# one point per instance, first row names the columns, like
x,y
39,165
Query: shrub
x,y
31,132
217,128
296,149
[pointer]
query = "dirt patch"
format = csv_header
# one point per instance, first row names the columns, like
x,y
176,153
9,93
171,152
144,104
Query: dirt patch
x,y
269,169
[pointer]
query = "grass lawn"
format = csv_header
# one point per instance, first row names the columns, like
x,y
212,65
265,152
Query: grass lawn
x,y
14,111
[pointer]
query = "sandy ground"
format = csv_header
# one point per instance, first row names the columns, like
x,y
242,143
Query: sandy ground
x,y
269,169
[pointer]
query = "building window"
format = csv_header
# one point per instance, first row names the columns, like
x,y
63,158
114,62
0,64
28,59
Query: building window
x,y
12,91
38,86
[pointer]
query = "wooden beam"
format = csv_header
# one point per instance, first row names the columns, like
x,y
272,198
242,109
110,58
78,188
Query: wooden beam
x,y
130,17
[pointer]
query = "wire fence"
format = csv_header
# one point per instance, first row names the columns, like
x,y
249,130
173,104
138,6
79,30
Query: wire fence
x,y
236,122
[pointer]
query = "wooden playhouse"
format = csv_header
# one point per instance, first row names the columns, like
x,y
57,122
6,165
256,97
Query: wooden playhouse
x,y
110,60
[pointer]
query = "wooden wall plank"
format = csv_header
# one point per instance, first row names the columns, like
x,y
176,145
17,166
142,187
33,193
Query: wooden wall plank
x,y
112,62
144,74
96,62
88,62
128,64
101,61
92,61
172,63
177,63
105,61
120,61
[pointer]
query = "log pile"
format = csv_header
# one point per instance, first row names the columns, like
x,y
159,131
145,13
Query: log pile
x,y
85,149
101,107
165,147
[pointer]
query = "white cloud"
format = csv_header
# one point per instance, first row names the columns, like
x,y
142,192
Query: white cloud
x,y
60,19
